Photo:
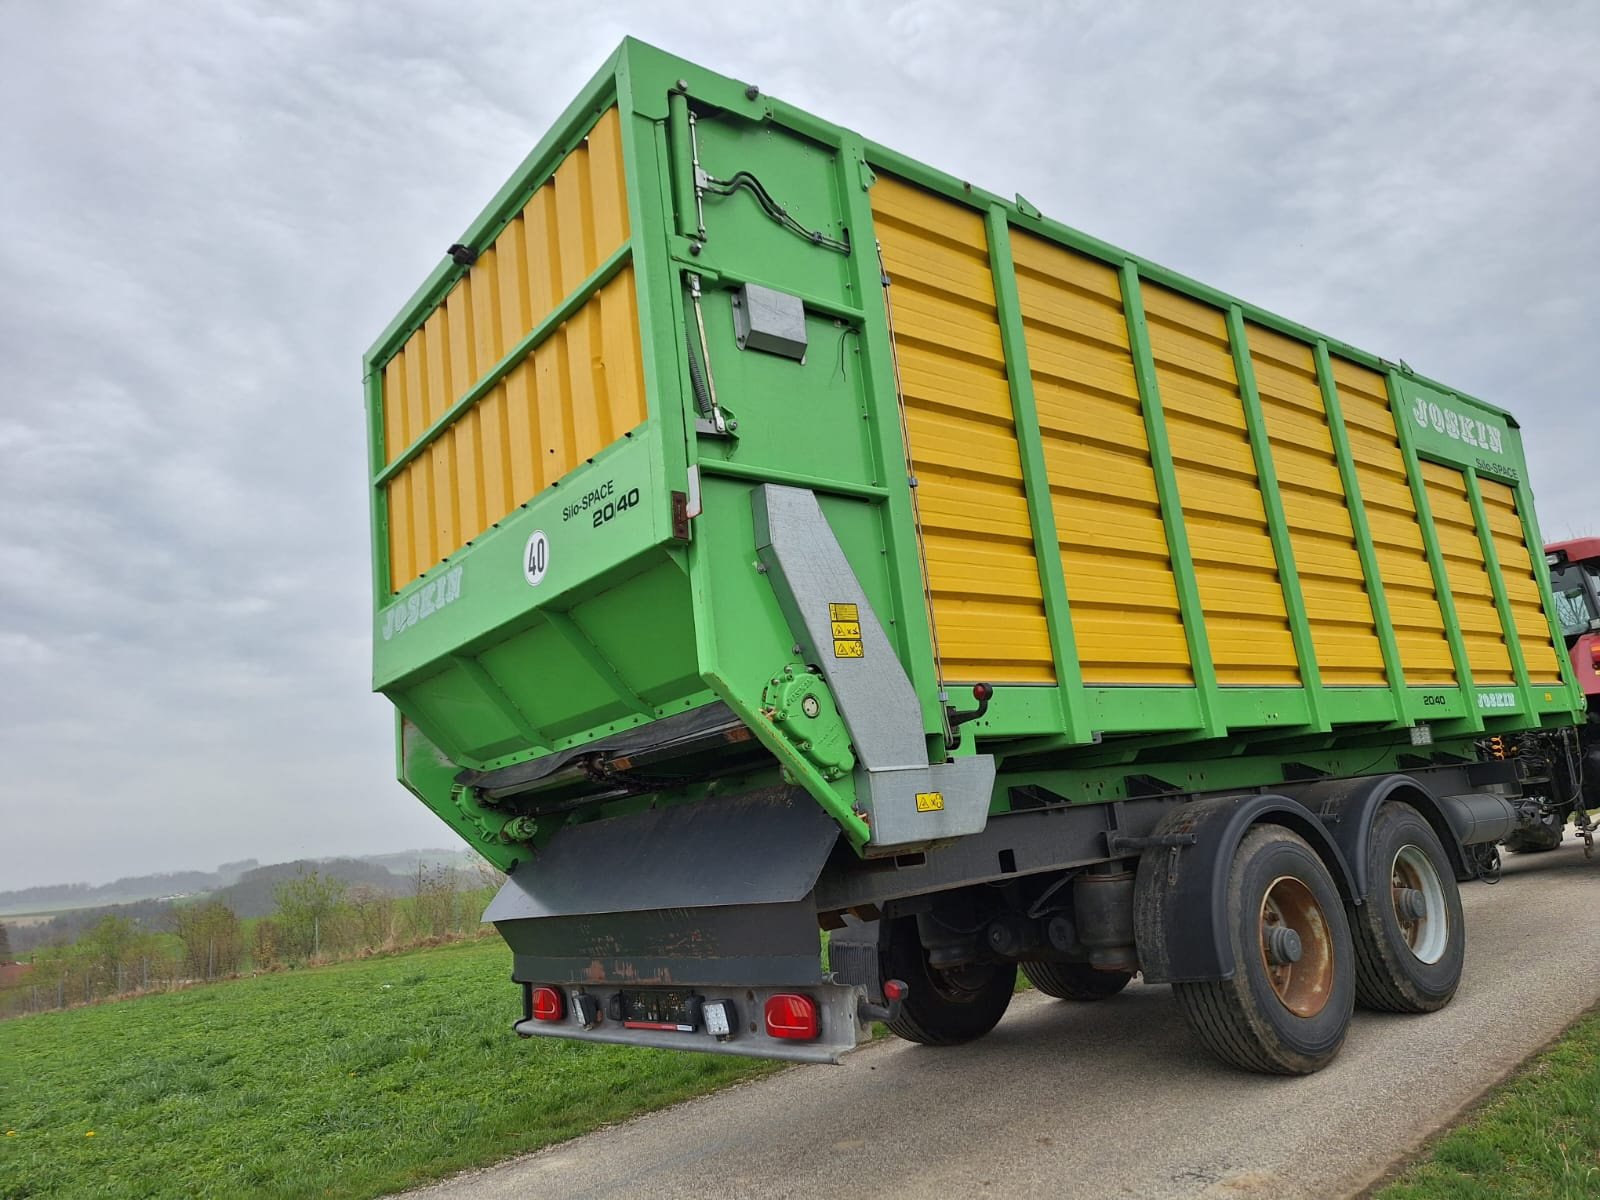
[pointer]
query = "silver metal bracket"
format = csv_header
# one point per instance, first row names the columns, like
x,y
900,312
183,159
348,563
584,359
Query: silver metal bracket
x,y
907,799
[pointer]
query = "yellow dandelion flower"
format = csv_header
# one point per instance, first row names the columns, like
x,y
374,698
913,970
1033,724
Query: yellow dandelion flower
x,y
90,1133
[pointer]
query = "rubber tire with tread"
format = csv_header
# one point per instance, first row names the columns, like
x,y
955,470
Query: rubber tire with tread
x,y
934,1013
1241,1020
1389,977
1075,981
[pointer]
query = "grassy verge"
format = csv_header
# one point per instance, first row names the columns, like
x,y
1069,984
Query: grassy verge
x,y
350,1080
1536,1138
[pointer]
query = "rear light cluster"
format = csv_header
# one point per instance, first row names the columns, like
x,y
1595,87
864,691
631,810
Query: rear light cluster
x,y
791,1016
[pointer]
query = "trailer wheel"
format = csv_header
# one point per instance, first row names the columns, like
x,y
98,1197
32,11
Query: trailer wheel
x,y
1075,981
1410,937
944,1008
1288,1005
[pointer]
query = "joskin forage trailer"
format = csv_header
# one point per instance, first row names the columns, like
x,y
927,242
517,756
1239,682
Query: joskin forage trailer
x,y
772,533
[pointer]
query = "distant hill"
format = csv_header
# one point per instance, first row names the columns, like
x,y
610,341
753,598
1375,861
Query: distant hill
x,y
127,890
254,894
61,897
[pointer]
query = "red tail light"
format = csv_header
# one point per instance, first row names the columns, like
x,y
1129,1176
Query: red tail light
x,y
1594,653
548,1004
792,1016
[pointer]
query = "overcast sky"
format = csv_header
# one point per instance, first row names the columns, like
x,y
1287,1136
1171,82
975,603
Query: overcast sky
x,y
211,209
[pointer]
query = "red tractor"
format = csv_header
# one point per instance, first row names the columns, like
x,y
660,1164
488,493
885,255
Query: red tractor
x,y
1570,757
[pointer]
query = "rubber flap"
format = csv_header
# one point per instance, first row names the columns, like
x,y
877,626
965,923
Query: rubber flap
x,y
763,847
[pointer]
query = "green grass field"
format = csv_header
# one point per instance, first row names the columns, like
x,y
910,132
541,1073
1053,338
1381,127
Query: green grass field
x,y
1537,1137
350,1080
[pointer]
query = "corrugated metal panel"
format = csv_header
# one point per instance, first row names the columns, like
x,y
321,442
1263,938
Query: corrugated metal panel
x,y
1125,615
581,390
1539,651
1316,508
1247,622
988,602
1392,516
1487,652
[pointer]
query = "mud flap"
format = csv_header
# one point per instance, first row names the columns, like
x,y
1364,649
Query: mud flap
x,y
715,892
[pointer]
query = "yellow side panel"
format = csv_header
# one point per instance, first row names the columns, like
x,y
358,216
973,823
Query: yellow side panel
x,y
1539,651
988,603
581,390
1317,511
1113,548
1247,622
1487,652
1392,517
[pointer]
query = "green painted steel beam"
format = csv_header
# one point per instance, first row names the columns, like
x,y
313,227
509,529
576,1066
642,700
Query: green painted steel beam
x,y
526,345
377,497
1073,711
503,704
1576,698
1277,520
1502,598
800,479
867,280
1190,607
1366,548
1436,564
604,670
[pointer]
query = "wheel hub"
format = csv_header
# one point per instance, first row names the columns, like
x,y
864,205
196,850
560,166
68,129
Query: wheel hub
x,y
1419,906
1296,946
1283,946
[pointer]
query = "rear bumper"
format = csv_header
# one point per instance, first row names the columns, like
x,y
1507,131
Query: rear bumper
x,y
713,898
839,1028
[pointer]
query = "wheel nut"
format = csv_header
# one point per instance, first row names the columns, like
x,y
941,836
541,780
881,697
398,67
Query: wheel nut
x,y
1410,904
1283,945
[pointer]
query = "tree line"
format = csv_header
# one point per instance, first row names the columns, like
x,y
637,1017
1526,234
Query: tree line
x,y
315,918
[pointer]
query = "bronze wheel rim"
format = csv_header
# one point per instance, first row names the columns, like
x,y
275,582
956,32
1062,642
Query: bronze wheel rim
x,y
1304,983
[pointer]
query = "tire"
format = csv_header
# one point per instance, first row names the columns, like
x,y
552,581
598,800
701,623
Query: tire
x,y
1536,837
943,1008
1288,1018
1407,965
1075,981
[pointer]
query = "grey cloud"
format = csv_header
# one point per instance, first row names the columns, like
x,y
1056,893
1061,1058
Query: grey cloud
x,y
211,210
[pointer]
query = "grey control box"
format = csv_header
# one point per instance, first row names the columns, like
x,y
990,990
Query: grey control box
x,y
769,320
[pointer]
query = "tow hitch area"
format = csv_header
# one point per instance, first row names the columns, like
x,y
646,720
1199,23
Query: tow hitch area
x,y
818,1023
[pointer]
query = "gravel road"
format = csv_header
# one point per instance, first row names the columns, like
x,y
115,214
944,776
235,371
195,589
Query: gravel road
x,y
1112,1100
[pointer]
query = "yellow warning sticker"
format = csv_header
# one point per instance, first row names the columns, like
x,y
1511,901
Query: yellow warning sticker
x,y
930,801
846,622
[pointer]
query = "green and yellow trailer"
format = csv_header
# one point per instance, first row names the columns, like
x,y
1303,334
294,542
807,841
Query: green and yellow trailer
x,y
773,535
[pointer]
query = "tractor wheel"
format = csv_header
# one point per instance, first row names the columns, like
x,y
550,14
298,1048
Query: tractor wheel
x,y
1287,1008
1410,938
943,1007
1075,981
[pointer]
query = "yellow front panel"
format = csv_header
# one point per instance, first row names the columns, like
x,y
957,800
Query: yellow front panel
x,y
581,390
1113,546
1517,568
1453,523
1247,622
988,604
1317,511
1392,517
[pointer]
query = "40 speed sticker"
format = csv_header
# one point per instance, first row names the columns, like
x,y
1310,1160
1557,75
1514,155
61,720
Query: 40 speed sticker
x,y
536,558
